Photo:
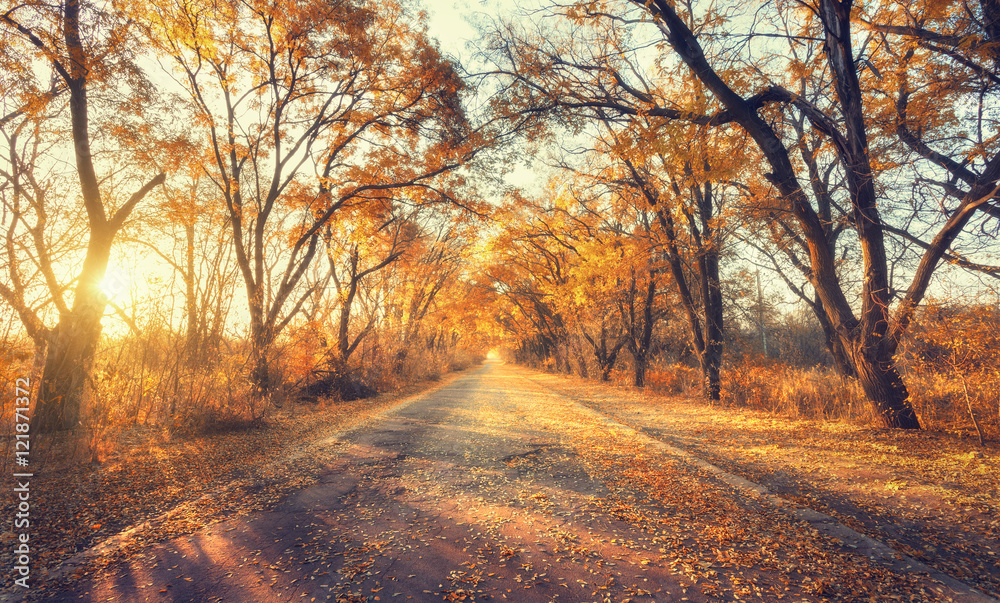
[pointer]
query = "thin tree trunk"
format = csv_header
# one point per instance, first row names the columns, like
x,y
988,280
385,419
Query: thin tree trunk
x,y
581,362
193,341
641,364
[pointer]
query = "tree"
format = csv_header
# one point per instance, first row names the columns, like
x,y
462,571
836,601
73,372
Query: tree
x,y
189,231
870,338
351,92
748,94
672,186
430,266
82,61
358,250
626,264
529,266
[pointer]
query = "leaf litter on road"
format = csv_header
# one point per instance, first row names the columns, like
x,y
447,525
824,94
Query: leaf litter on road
x,y
553,506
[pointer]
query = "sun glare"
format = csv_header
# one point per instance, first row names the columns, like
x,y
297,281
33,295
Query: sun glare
x,y
114,285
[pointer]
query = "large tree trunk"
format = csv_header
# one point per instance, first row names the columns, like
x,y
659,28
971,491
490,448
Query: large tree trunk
x,y
639,343
711,358
72,344
885,389
640,361
343,337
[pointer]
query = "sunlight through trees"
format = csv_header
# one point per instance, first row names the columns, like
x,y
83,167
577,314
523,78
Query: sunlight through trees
x,y
212,210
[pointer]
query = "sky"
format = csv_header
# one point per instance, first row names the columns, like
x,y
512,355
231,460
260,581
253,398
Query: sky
x,y
448,21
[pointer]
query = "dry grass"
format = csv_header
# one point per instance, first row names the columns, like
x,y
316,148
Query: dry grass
x,y
816,393
768,385
940,400
675,379
776,388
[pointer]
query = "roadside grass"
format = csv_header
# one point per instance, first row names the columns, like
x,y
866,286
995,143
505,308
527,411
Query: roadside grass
x,y
965,404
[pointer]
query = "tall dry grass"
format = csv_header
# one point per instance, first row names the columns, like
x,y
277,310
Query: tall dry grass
x,y
151,385
769,385
674,379
938,397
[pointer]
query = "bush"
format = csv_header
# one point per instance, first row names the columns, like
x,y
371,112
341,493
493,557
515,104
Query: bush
x,y
952,363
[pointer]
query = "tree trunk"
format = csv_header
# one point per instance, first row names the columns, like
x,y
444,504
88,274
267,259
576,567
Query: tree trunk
x,y
71,348
581,362
640,364
708,267
885,389
69,360
841,360
193,340
343,338
711,370
562,358
261,339
606,358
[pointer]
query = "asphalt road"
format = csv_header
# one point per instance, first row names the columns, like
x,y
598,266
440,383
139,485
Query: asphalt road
x,y
495,488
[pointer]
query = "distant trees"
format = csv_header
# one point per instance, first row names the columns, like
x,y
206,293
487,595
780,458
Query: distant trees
x,y
583,270
529,264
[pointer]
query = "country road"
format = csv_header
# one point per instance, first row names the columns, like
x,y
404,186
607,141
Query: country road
x,y
495,487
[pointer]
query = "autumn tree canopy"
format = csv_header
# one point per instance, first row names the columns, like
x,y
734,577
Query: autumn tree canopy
x,y
863,84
